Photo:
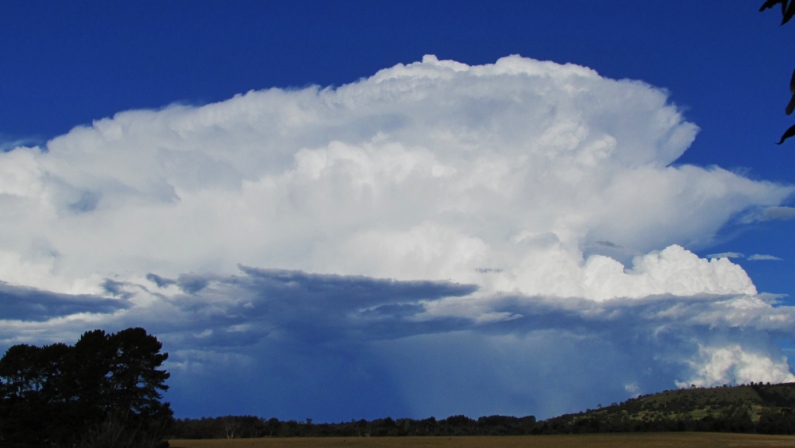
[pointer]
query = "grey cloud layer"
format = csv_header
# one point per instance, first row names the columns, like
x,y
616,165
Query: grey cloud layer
x,y
309,308
29,304
252,326
416,331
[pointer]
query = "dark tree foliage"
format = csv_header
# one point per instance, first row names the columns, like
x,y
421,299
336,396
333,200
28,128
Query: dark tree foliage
x,y
247,426
103,391
752,408
787,12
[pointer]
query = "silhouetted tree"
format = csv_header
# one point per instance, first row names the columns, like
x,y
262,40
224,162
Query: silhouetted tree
x,y
787,12
103,391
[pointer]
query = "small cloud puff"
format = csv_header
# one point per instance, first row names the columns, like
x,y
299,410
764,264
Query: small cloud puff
x,y
726,255
778,213
758,257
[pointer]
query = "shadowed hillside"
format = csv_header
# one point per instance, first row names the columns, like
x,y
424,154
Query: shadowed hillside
x,y
762,408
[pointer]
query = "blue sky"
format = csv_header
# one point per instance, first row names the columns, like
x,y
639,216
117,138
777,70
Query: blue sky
x,y
385,233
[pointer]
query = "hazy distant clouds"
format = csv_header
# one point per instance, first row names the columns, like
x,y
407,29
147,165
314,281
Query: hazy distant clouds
x,y
758,257
753,257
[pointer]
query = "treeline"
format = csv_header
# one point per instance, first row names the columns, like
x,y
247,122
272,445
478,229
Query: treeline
x,y
732,419
753,408
252,427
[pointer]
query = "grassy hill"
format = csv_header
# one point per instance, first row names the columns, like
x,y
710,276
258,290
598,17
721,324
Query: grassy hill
x,y
763,408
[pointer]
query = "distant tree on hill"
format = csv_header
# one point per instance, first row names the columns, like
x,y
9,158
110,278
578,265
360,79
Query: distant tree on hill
x,y
103,391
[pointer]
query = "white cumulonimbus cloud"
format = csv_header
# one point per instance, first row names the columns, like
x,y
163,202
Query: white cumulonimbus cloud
x,y
522,179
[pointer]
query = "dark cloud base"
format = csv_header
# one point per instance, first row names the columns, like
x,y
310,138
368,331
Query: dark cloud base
x,y
297,345
29,304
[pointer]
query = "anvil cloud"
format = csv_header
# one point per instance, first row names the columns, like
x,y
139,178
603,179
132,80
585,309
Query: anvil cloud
x,y
521,225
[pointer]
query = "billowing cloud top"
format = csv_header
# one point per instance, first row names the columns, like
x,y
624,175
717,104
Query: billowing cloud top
x,y
477,191
496,174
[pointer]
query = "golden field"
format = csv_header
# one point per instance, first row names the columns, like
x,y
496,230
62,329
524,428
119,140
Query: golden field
x,y
656,440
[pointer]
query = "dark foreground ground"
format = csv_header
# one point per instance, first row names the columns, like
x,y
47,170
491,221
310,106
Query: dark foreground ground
x,y
643,440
